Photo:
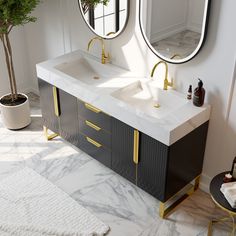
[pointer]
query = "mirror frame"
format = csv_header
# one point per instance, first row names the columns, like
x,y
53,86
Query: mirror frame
x,y
111,36
200,44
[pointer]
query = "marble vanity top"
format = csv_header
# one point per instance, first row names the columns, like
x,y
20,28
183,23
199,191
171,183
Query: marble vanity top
x,y
124,95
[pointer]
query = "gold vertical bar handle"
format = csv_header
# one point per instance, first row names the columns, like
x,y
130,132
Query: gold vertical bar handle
x,y
55,98
92,108
136,146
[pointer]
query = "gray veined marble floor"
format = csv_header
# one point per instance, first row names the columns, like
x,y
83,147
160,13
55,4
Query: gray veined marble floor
x,y
128,210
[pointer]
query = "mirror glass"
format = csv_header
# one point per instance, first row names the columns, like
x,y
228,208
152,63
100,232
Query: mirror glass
x,y
174,30
106,18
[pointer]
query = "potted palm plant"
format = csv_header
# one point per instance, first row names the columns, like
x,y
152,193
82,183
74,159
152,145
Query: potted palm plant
x,y
14,106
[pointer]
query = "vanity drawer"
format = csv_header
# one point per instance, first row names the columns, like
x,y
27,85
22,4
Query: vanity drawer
x,y
94,115
95,150
93,131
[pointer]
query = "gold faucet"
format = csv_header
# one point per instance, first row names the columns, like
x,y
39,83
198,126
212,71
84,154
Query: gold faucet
x,y
111,33
166,82
104,58
175,56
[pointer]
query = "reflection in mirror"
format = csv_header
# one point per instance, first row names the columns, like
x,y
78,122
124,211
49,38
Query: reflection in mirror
x,y
174,30
106,18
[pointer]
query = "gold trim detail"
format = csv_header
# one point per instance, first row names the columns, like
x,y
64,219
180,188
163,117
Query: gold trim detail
x,y
48,137
93,126
223,208
229,219
55,99
136,146
110,33
164,211
92,108
176,55
93,142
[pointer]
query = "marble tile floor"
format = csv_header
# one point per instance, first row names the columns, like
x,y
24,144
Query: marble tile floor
x,y
128,210
183,44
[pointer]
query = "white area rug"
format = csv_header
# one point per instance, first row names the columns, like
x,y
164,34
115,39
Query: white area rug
x,y
32,206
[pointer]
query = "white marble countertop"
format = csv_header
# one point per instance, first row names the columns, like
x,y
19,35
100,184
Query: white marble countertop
x,y
167,130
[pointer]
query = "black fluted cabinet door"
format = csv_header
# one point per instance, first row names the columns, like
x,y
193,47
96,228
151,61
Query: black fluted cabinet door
x,y
152,166
165,170
69,124
50,120
122,150
185,160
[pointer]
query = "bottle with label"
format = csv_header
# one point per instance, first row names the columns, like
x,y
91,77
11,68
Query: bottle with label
x,y
189,95
199,94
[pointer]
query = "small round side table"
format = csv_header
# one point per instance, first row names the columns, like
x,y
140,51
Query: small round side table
x,y
219,199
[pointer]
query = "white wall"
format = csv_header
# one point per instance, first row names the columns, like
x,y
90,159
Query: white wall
x,y
20,60
195,15
60,29
45,38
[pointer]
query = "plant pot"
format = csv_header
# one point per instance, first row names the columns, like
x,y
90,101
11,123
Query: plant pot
x,y
17,116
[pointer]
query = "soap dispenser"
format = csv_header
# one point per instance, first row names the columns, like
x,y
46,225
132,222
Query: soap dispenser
x,y
199,94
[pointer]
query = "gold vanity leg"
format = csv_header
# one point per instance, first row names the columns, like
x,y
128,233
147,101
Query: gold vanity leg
x,y
163,210
48,137
195,186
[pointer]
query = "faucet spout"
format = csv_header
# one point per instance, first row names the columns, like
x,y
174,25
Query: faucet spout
x,y
104,58
166,82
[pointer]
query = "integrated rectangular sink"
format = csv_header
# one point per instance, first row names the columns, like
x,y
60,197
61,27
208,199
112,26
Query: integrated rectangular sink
x,y
90,71
142,95
146,97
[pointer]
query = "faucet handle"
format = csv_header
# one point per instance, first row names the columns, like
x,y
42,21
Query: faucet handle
x,y
171,83
106,58
168,83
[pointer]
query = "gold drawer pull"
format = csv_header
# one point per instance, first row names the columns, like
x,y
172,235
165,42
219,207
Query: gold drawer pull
x,y
56,104
93,142
136,146
93,126
92,108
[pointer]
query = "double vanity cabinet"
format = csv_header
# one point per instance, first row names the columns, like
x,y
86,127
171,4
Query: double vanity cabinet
x,y
162,169
158,169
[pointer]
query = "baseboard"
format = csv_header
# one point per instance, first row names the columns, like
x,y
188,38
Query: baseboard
x,y
195,28
205,183
165,33
31,90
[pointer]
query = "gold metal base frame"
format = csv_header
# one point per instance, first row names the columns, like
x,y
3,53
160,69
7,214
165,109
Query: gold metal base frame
x,y
165,209
49,136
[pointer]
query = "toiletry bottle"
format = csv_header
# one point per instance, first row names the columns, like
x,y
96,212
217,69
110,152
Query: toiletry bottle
x,y
199,94
189,95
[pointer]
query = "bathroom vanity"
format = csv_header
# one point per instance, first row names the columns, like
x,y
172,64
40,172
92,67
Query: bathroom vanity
x,y
110,113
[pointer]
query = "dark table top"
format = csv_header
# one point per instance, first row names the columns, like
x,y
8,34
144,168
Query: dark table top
x,y
217,195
